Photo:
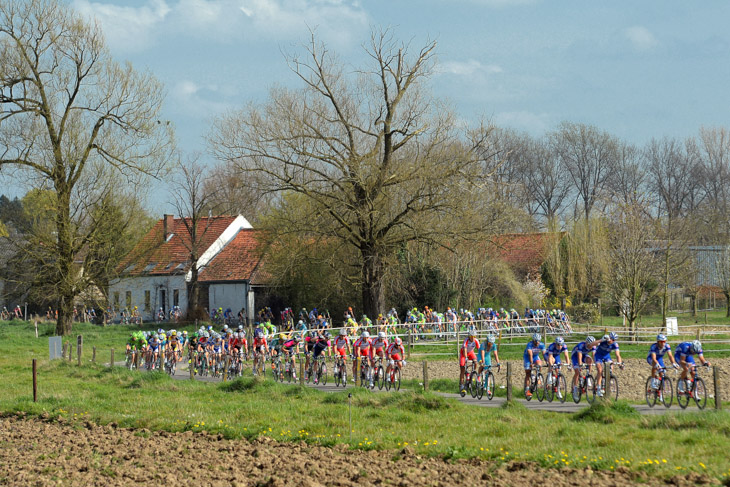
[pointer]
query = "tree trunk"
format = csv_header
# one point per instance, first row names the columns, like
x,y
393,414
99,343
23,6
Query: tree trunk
x,y
727,302
65,260
194,290
373,300
65,315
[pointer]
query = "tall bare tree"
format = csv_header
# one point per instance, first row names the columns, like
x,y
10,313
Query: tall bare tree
x,y
67,110
196,201
380,161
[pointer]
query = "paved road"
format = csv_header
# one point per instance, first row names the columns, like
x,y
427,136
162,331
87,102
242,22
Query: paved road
x,y
567,407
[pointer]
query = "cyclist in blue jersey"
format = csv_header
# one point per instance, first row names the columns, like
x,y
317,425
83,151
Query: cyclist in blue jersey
x,y
581,354
656,358
602,356
555,350
684,355
533,351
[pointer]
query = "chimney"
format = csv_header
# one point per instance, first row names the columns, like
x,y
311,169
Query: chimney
x,y
168,225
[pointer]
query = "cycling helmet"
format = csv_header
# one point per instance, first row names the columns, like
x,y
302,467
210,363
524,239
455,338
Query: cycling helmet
x,y
282,336
343,332
326,334
381,334
398,341
613,336
225,327
174,333
472,333
160,330
606,338
210,327
661,338
365,334
590,339
491,339
560,341
696,346
536,337
301,322
240,327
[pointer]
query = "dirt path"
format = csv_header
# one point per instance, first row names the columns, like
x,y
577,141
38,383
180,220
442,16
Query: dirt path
x,y
38,453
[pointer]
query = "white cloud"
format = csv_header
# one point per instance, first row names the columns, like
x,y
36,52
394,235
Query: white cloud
x,y
126,28
134,28
641,38
198,100
468,68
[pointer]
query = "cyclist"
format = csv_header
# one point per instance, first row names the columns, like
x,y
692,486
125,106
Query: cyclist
x,y
260,346
289,349
531,357
656,358
395,354
361,348
552,357
378,346
485,354
684,355
466,352
322,344
603,355
154,347
174,346
341,346
581,354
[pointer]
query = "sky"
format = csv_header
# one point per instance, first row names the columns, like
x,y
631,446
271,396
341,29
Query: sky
x,y
638,70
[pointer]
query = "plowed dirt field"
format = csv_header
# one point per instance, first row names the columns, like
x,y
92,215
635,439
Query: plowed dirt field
x,y
35,452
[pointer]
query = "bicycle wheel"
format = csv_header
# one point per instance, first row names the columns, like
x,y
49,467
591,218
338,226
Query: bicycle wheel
x,y
667,392
389,381
323,374
490,385
380,377
550,388
472,384
700,393
650,393
562,387
480,386
530,389
540,388
290,372
336,373
683,396
614,387
576,397
590,389
396,381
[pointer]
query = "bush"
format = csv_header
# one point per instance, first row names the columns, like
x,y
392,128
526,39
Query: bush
x,y
584,313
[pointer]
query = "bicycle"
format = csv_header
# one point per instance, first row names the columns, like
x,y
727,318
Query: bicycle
x,y
470,384
393,379
537,385
663,392
557,385
259,363
586,385
613,381
130,363
487,382
318,369
379,373
366,373
694,387
171,362
340,371
277,369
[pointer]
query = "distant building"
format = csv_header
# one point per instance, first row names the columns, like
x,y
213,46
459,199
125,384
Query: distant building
x,y
157,273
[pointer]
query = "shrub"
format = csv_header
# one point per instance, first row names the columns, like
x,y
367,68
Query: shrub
x,y
587,313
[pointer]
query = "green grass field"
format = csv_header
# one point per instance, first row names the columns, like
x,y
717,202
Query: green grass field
x,y
604,438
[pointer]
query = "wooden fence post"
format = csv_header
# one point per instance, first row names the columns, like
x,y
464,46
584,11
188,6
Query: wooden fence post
x,y
716,383
410,342
457,340
79,349
225,369
301,372
63,352
509,381
111,362
70,352
606,382
425,375
357,374
191,364
35,382
93,355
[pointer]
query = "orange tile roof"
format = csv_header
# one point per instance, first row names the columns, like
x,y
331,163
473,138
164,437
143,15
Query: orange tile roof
x,y
154,255
238,260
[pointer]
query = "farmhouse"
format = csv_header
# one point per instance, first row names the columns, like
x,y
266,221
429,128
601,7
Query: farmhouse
x,y
158,272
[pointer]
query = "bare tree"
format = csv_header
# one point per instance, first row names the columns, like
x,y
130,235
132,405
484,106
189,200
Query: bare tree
x,y
546,183
67,110
635,270
589,156
627,182
195,200
714,147
378,162
673,167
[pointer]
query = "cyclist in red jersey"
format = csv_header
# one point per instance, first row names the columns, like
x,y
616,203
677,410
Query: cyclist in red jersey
x,y
467,352
341,345
395,353
361,347
379,344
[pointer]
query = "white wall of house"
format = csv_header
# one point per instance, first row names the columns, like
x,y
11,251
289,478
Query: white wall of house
x,y
162,292
233,295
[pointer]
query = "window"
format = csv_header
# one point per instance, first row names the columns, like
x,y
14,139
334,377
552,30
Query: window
x,y
150,266
129,268
116,300
176,297
147,300
128,300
